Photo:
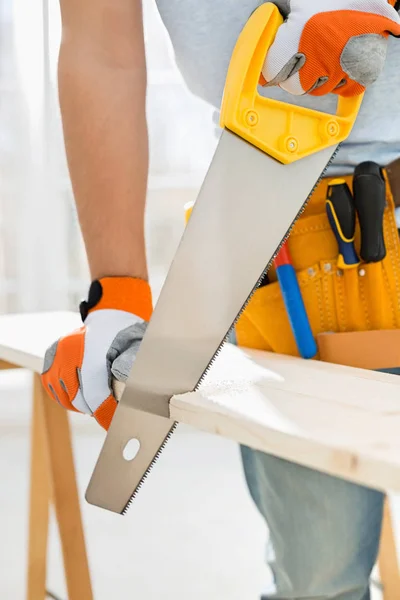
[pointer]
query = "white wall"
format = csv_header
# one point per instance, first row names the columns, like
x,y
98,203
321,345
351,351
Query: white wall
x,y
42,263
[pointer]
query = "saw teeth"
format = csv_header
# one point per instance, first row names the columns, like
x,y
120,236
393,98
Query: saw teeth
x,y
218,350
150,467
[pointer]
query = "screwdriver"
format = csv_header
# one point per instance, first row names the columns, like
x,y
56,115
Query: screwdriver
x,y
342,218
294,303
369,189
370,201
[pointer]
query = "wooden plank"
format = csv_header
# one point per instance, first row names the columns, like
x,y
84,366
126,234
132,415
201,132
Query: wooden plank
x,y
387,560
336,419
66,500
24,338
5,365
39,501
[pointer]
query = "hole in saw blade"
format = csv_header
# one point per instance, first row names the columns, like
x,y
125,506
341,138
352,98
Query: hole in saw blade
x,y
131,449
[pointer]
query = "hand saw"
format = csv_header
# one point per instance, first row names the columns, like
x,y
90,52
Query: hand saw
x,y
269,159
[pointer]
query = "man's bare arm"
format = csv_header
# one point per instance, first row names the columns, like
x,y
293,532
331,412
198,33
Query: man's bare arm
x,y
102,87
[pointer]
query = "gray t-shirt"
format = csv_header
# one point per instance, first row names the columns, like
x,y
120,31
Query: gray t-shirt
x,y
203,34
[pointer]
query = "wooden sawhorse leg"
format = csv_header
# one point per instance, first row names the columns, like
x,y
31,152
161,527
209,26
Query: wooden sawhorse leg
x,y
388,561
53,479
39,502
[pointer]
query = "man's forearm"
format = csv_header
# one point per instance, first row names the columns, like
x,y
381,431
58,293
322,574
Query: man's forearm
x,y
102,88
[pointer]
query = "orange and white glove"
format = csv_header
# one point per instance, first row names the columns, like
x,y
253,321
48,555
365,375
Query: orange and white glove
x,y
330,45
79,368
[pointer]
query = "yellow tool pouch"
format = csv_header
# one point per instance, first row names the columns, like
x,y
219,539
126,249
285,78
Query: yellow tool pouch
x,y
359,299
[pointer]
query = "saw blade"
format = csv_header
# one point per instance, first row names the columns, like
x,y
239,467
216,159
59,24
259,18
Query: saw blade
x,y
237,225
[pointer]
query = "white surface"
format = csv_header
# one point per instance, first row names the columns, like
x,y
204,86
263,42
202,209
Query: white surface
x,y
205,511
44,266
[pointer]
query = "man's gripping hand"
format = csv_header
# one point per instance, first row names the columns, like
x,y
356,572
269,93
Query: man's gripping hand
x,y
330,45
79,368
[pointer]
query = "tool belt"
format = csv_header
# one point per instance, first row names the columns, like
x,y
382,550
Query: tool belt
x,y
363,298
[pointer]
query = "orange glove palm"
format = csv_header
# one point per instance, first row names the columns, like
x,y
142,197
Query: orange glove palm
x,y
330,45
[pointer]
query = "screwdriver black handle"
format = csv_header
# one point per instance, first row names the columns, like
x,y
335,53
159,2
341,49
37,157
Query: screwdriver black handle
x,y
369,190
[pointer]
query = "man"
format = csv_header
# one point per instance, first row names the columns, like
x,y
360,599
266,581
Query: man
x,y
324,531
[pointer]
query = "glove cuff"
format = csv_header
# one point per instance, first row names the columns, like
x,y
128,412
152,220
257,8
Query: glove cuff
x,y
119,293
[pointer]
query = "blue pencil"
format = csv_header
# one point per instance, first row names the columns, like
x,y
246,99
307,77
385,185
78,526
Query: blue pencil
x,y
294,304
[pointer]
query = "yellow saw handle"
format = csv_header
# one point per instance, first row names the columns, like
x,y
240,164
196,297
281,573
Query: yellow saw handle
x,y
284,131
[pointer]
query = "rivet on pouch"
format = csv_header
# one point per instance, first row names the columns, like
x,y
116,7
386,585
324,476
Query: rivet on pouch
x,y
311,272
327,267
362,272
339,273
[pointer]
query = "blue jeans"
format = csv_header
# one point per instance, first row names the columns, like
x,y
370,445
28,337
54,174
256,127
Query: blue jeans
x,y
324,531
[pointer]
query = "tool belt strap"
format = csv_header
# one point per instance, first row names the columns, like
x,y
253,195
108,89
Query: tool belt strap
x,y
393,173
